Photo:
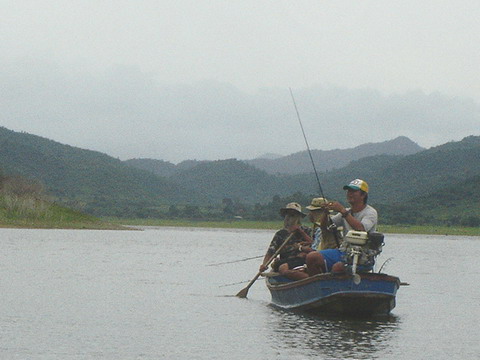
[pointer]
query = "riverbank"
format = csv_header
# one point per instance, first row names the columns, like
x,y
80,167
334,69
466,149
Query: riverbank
x,y
53,216
77,220
33,224
273,225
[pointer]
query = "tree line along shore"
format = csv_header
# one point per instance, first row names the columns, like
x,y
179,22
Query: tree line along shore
x,y
61,218
24,204
275,225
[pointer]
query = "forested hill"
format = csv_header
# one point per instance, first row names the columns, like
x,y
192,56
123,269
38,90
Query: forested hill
x,y
298,163
424,187
334,159
84,179
455,204
405,178
161,167
231,178
102,185
393,178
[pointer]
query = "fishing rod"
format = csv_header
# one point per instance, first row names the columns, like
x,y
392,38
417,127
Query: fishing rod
x,y
235,261
306,142
332,227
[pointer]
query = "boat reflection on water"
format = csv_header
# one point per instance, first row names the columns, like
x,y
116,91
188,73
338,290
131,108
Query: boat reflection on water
x,y
330,337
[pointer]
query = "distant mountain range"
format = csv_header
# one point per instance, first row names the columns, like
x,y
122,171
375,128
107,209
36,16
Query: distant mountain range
x,y
300,162
402,175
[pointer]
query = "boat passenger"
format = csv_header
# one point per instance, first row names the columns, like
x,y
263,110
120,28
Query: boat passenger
x,y
323,237
359,216
292,255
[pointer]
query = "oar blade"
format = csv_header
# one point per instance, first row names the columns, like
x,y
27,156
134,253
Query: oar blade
x,y
242,293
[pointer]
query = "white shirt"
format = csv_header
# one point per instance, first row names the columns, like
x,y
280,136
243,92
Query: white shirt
x,y
368,217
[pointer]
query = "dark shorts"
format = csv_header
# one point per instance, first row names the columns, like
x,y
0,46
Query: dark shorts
x,y
292,262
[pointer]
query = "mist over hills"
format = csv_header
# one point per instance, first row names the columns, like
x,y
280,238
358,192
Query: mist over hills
x,y
425,182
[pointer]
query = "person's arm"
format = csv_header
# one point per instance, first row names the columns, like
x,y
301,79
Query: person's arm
x,y
307,240
272,248
266,258
354,223
370,220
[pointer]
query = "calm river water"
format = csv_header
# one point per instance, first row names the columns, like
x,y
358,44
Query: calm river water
x,y
153,294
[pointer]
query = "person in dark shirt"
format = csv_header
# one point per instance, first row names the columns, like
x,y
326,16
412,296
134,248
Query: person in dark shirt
x,y
292,255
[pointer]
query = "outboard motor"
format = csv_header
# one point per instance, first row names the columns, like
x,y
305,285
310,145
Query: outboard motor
x,y
375,241
354,241
361,248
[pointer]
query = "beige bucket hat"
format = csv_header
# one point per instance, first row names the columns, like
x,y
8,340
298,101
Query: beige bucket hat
x,y
292,206
317,203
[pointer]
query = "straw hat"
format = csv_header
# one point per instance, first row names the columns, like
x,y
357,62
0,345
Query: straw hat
x,y
292,206
317,204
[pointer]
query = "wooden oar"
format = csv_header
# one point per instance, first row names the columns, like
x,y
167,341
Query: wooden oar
x,y
243,293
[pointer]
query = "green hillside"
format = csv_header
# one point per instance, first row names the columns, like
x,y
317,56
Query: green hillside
x,y
300,162
393,178
83,179
231,178
457,204
405,187
23,203
398,184
157,167
397,179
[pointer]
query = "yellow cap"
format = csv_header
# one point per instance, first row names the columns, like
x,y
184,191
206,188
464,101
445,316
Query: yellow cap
x,y
357,184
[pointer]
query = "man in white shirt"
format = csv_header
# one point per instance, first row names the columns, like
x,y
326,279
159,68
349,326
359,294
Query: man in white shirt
x,y
359,216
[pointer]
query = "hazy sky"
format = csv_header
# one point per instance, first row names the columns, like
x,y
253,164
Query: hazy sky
x,y
188,79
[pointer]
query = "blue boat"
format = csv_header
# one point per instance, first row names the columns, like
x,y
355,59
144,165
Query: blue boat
x,y
361,294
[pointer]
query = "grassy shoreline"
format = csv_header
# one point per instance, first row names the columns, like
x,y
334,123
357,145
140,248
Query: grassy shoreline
x,y
72,225
52,216
273,225
91,223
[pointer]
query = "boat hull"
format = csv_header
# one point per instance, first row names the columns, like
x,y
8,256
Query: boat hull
x,y
329,293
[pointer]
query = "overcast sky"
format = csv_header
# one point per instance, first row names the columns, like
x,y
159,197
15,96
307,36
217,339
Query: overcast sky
x,y
192,79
